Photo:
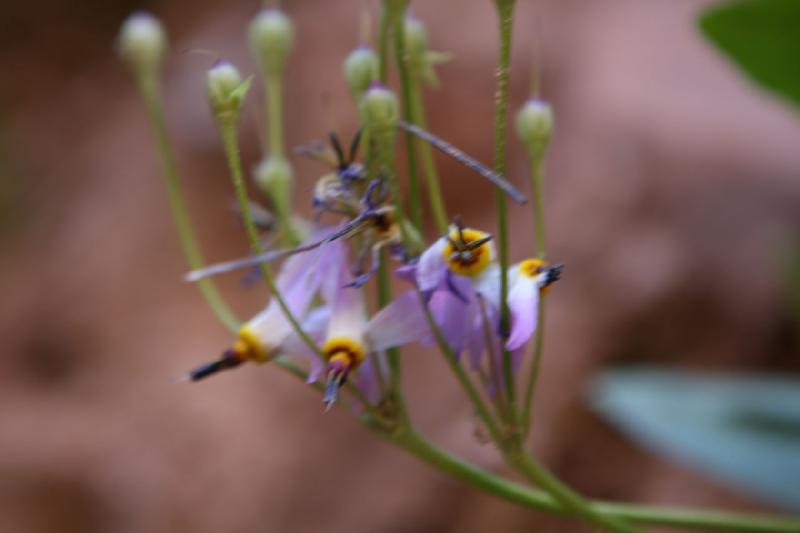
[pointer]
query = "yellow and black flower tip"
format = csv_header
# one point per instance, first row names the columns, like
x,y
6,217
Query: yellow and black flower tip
x,y
553,274
231,358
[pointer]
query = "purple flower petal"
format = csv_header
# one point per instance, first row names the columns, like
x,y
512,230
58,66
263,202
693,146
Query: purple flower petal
x,y
452,317
431,266
367,380
523,301
407,273
400,322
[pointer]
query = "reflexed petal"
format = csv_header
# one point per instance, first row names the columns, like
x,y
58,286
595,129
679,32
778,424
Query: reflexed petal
x,y
477,332
431,266
367,379
451,315
407,273
315,324
331,268
487,284
349,317
523,301
400,322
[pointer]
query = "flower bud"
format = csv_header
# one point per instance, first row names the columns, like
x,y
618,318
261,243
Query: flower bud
x,y
142,43
421,60
274,176
360,70
535,125
271,37
416,37
226,90
379,109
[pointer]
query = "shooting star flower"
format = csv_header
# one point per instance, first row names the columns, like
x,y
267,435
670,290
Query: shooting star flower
x,y
351,338
526,280
270,332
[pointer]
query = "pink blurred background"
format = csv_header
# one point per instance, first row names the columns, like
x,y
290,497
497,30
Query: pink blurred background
x,y
672,198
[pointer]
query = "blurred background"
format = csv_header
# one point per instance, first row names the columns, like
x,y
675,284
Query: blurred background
x,y
672,197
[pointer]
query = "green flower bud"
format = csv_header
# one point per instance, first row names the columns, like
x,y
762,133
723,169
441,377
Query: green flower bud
x,y
274,176
379,112
535,125
226,90
421,60
271,37
360,70
416,43
142,43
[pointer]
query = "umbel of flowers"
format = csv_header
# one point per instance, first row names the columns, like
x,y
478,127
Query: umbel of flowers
x,y
459,290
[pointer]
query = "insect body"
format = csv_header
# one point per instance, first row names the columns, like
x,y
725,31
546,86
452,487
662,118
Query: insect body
x,y
337,192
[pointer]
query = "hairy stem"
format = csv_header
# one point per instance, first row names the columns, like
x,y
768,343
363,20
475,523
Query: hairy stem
x,y
481,410
177,204
537,178
417,117
414,203
505,12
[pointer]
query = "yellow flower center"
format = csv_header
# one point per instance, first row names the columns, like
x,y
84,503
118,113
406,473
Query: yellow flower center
x,y
464,259
531,267
344,350
248,346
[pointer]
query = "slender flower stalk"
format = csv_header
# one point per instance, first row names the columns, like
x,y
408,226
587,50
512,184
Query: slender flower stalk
x,y
417,116
398,11
226,97
505,11
271,38
535,126
420,62
142,45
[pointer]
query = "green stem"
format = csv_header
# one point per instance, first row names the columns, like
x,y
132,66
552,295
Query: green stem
x,y
417,445
537,158
273,87
177,204
384,43
560,492
526,418
274,96
505,11
426,155
414,203
494,373
477,402
392,354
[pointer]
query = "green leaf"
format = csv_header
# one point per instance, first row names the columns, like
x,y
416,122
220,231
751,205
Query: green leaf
x,y
744,430
763,38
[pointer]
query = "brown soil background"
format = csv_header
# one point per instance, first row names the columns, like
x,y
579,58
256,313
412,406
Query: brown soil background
x,y
672,196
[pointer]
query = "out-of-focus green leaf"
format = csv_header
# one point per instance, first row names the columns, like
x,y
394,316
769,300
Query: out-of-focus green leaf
x,y
763,38
745,430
